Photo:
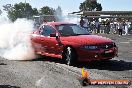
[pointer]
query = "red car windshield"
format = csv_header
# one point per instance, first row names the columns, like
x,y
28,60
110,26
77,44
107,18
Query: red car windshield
x,y
71,30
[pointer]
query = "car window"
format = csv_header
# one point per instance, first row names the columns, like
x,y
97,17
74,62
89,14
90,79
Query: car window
x,y
71,30
47,30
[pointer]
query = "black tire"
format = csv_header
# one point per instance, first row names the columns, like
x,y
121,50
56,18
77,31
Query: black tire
x,y
69,56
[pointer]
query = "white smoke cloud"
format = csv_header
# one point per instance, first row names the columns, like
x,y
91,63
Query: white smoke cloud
x,y
15,41
64,16
74,19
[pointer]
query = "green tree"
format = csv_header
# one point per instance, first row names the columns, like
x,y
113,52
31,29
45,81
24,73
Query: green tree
x,y
46,11
35,11
21,10
90,5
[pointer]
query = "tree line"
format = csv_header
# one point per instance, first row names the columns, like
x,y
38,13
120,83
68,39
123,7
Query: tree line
x,y
25,10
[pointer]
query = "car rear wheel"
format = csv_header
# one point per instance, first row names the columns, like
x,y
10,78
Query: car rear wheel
x,y
69,56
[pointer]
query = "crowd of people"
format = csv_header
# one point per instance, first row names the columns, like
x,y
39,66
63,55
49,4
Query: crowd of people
x,y
123,27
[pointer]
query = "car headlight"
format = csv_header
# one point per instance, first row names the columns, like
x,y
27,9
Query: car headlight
x,y
90,47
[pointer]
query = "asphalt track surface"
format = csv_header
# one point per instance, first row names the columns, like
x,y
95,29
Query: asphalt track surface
x,y
49,73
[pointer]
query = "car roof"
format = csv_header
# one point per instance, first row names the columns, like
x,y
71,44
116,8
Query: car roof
x,y
57,23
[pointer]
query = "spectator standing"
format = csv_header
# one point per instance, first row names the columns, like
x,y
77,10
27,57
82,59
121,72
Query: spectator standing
x,y
130,28
85,25
116,27
126,27
97,25
92,27
112,27
120,28
82,22
107,26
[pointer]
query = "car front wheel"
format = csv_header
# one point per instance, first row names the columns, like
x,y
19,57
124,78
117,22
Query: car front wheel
x,y
69,56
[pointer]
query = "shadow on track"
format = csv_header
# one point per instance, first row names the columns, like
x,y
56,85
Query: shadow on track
x,y
111,65
49,59
8,86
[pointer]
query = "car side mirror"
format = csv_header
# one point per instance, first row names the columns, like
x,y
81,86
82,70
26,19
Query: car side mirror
x,y
53,35
57,37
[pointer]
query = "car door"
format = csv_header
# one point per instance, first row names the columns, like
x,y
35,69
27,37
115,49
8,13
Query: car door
x,y
38,41
50,44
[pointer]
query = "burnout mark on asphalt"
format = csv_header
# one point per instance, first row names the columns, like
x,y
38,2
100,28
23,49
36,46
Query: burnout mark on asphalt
x,y
113,39
8,86
3,64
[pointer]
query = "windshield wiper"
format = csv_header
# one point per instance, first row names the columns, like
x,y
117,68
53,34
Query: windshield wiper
x,y
82,34
75,34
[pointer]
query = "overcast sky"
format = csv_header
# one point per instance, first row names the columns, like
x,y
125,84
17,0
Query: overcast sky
x,y
73,5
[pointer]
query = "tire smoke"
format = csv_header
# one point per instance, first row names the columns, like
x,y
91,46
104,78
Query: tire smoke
x,y
15,41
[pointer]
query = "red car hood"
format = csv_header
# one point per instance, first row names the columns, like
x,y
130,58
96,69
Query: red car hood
x,y
86,39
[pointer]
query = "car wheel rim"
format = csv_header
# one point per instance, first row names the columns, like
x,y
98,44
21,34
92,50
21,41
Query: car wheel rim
x,y
68,56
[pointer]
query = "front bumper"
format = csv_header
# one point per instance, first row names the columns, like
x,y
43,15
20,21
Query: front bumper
x,y
91,55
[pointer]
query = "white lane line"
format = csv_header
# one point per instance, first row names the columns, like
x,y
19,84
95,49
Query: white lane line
x,y
130,40
125,42
119,53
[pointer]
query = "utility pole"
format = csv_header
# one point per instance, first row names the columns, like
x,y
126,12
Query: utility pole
x,y
25,10
0,12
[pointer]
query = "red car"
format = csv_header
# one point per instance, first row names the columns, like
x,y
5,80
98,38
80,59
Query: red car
x,y
71,43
